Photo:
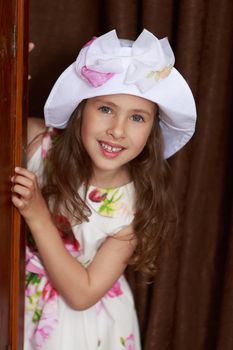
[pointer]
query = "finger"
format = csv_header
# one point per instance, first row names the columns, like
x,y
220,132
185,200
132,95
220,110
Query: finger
x,y
22,191
24,172
18,202
22,180
31,46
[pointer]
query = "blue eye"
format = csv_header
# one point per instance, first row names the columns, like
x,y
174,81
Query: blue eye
x,y
105,109
137,118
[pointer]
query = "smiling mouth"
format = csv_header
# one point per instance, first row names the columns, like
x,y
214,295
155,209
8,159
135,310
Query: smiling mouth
x,y
110,149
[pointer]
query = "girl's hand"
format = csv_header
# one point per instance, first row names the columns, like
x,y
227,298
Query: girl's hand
x,y
27,197
30,48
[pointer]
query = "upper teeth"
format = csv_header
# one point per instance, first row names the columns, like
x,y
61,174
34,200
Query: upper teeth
x,y
109,148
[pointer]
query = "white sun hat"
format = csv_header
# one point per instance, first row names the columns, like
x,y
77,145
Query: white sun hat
x,y
107,65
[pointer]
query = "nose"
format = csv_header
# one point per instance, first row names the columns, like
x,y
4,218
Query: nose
x,y
117,128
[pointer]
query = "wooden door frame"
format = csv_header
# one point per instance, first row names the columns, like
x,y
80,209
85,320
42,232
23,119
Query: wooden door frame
x,y
13,99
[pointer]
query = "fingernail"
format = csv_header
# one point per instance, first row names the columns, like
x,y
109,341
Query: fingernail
x,y
17,168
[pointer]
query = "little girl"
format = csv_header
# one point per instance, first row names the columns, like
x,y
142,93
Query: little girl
x,y
95,194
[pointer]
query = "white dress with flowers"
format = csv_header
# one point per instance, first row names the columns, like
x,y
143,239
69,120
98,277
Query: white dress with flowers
x,y
111,324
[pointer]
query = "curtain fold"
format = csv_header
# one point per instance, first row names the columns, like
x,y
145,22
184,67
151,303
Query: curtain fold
x,y
189,305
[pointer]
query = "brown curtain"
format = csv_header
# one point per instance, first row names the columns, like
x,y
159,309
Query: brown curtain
x,y
189,306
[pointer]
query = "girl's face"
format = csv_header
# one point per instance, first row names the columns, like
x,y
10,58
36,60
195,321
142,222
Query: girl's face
x,y
115,129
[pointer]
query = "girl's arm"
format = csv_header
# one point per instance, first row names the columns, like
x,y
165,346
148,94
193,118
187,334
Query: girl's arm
x,y
81,287
35,129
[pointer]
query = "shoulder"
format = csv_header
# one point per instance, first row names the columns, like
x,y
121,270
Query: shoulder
x,y
35,126
35,131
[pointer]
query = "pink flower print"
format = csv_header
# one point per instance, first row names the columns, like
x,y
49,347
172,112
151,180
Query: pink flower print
x,y
96,196
31,290
71,243
129,342
72,247
46,323
115,291
48,140
42,334
48,292
41,302
62,221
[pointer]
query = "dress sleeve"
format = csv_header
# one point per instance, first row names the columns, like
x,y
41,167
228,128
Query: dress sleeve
x,y
36,163
112,209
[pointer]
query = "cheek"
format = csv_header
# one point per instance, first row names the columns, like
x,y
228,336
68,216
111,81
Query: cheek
x,y
86,133
140,138
86,128
91,129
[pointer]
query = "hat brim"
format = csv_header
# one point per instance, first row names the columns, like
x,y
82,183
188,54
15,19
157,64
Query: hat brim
x,y
172,95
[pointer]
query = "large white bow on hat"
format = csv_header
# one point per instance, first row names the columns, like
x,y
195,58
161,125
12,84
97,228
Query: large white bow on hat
x,y
146,60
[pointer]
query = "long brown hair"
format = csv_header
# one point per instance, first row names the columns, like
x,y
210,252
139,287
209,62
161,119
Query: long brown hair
x,y
68,166
155,208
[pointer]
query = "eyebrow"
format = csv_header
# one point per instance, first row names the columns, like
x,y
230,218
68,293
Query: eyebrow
x,y
106,102
143,111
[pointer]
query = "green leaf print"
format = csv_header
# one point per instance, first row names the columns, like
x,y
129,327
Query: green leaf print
x,y
36,316
109,202
122,340
30,240
32,278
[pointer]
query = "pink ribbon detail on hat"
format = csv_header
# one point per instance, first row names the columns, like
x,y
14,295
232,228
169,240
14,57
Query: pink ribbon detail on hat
x,y
146,60
95,78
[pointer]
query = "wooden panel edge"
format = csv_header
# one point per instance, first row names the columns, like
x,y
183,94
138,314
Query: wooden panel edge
x,y
19,127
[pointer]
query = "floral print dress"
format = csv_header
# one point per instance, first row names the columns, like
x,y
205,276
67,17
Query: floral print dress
x,y
111,324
